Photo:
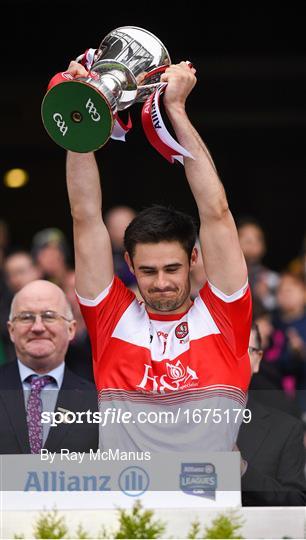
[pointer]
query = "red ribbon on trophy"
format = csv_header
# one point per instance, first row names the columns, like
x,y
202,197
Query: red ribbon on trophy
x,y
156,131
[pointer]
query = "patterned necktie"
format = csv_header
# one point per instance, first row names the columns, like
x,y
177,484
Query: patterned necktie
x,y
34,410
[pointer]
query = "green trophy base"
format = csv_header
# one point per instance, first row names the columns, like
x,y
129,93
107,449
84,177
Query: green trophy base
x,y
77,116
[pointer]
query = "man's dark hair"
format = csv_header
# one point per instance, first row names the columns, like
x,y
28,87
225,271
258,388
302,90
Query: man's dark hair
x,y
160,224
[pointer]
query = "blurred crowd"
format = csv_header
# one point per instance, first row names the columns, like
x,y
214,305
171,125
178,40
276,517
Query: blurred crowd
x,y
279,300
279,310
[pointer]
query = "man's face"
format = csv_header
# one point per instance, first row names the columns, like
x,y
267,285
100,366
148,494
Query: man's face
x,y
41,346
20,270
162,271
252,242
117,221
255,353
50,259
290,294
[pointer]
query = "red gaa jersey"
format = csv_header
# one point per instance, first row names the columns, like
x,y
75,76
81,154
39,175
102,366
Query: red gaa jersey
x,y
181,379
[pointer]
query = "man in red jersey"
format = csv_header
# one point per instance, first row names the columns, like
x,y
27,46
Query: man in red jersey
x,y
166,360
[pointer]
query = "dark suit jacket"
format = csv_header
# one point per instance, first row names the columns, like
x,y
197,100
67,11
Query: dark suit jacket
x,y
76,394
272,444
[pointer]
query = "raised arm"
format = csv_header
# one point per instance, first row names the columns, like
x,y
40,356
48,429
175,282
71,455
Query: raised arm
x,y
92,246
222,256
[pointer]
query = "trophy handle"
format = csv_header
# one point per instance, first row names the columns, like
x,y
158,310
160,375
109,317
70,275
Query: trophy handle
x,y
149,82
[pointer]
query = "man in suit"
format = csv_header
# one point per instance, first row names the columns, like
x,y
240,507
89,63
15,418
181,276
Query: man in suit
x,y
41,325
272,450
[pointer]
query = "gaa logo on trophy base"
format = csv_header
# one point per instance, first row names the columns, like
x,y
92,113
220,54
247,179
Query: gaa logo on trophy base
x,y
80,114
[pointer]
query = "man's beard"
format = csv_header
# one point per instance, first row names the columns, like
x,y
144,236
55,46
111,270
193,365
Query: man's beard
x,y
167,304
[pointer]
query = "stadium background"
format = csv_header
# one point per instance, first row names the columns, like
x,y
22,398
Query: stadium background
x,y
248,105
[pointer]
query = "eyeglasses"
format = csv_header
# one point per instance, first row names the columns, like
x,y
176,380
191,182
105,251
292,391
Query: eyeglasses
x,y
47,317
255,349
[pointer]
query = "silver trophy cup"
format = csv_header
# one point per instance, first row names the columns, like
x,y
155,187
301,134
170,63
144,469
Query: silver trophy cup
x,y
79,114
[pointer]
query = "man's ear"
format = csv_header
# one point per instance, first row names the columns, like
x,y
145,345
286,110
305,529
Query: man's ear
x,y
194,256
129,262
72,329
10,328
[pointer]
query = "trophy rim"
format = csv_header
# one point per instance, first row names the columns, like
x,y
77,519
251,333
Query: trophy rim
x,y
143,30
